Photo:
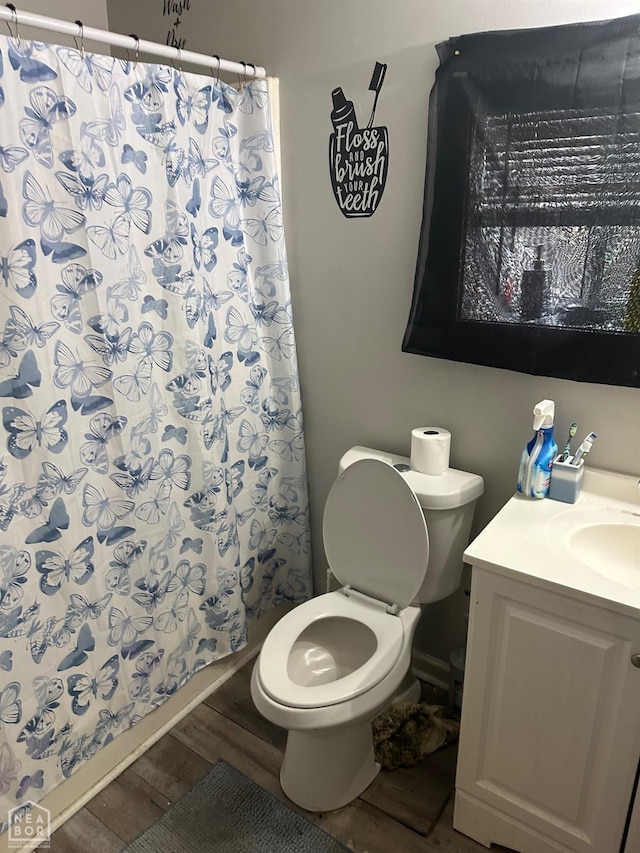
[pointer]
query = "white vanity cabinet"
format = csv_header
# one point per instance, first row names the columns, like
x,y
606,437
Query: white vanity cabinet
x,y
550,734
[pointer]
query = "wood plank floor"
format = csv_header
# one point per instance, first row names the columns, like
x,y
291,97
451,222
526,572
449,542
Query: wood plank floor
x,y
408,810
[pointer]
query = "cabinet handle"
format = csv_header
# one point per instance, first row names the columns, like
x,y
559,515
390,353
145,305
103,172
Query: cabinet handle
x,y
635,660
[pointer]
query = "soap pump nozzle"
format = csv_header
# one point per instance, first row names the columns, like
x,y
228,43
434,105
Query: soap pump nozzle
x,y
543,414
538,263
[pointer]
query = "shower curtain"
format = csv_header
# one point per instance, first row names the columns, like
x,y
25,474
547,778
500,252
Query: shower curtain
x,y
152,474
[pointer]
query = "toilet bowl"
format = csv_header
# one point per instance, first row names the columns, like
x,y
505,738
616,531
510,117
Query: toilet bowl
x,y
330,666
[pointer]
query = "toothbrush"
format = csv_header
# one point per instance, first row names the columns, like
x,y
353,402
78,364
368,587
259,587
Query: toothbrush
x,y
573,429
377,79
584,448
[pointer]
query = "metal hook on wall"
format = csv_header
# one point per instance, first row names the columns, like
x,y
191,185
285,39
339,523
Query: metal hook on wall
x,y
137,53
14,22
80,36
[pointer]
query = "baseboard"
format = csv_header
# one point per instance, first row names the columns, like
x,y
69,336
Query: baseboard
x,y
487,826
430,669
93,776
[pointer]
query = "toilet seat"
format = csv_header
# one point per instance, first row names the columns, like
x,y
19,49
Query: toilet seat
x,y
377,544
274,658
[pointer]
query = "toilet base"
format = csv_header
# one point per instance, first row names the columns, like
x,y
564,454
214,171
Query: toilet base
x,y
410,691
324,769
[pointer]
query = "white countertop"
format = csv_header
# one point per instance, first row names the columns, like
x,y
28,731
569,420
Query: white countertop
x,y
522,539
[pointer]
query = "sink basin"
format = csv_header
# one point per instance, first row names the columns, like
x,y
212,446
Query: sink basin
x,y
606,540
612,549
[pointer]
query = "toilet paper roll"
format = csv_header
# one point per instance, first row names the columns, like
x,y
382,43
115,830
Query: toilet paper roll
x,y
430,448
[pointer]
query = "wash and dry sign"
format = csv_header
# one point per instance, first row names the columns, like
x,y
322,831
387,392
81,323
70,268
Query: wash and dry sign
x,y
175,11
29,827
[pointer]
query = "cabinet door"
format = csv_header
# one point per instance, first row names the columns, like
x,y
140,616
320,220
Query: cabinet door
x,y
550,720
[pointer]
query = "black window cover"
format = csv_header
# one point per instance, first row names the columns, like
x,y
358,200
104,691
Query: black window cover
x,y
529,256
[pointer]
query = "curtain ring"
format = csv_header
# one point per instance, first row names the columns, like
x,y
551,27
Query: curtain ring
x,y
137,53
14,22
216,76
253,73
244,74
80,36
178,59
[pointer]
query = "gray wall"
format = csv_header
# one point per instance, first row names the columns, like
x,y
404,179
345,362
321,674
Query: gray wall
x,y
352,279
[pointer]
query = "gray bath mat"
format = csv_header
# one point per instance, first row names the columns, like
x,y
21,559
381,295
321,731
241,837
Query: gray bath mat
x,y
228,813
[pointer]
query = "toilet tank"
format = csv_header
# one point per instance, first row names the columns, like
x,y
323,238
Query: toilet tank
x,y
448,502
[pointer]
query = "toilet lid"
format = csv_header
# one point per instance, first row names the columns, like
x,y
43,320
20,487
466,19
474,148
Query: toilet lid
x,y
375,533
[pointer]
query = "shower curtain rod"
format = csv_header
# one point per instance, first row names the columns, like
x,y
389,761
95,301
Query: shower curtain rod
x,y
131,42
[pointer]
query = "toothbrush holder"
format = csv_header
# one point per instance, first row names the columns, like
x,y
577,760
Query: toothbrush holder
x,y
566,480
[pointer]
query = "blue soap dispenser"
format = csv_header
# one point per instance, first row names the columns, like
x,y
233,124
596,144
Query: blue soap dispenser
x,y
534,474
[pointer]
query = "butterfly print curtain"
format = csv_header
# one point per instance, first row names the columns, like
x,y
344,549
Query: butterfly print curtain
x,y
152,476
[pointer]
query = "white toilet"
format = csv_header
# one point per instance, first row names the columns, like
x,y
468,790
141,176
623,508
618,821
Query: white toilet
x,y
394,538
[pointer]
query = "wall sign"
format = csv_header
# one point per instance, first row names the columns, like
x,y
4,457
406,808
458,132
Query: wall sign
x,y
358,156
175,10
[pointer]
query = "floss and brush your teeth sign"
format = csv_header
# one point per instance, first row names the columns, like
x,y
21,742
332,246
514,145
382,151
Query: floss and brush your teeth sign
x,y
358,156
